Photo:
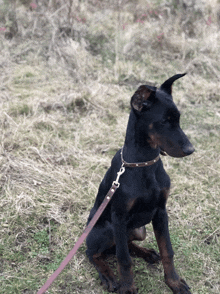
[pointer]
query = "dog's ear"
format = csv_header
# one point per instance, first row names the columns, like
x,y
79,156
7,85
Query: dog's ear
x,y
167,85
143,97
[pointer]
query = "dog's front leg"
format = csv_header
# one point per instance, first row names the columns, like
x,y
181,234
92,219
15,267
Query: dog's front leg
x,y
122,252
160,225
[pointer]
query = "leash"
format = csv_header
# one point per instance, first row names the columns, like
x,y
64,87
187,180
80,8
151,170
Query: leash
x,y
107,199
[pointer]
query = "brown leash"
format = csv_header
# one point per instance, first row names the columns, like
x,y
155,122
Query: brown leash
x,y
108,197
87,230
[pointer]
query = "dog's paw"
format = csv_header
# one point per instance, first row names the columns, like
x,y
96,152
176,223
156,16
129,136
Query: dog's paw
x,y
178,287
109,284
151,256
125,289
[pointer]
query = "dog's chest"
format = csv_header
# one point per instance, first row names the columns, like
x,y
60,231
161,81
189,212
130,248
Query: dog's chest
x,y
141,207
142,183
141,210
144,193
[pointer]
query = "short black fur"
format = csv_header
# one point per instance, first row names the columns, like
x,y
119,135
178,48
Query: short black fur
x,y
153,127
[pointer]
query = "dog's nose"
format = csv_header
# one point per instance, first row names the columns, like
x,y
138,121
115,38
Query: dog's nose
x,y
189,149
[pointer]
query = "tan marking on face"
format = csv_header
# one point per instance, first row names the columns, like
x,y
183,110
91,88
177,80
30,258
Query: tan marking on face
x,y
151,126
152,141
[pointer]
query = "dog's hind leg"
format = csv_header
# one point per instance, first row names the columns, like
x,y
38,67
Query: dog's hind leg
x,y
106,275
99,240
149,255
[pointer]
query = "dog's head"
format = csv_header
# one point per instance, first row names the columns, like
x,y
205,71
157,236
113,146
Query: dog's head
x,y
158,118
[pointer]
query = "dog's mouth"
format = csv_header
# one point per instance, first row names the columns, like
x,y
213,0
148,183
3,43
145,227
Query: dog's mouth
x,y
163,152
170,147
177,151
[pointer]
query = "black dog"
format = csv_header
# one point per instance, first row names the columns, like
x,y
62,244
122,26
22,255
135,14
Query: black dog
x,y
153,128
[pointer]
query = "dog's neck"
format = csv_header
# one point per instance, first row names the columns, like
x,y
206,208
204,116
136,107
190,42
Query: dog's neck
x,y
136,146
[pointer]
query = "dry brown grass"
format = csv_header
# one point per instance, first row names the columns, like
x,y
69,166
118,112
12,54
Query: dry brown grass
x,y
67,75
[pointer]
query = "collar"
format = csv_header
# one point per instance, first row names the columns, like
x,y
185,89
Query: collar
x,y
138,164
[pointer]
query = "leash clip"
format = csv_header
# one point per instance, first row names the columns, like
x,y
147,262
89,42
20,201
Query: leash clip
x,y
121,171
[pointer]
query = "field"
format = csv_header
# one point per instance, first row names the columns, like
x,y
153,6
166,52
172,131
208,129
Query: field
x,y
68,71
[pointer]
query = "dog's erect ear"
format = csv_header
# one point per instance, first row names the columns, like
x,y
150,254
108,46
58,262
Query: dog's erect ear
x,y
167,85
143,97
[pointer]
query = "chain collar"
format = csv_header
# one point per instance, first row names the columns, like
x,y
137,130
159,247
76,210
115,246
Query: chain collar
x,y
139,164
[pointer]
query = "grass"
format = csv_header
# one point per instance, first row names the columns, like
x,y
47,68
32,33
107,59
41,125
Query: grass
x,y
64,108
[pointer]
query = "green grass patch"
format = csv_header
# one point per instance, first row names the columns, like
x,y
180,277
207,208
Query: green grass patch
x,y
65,102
